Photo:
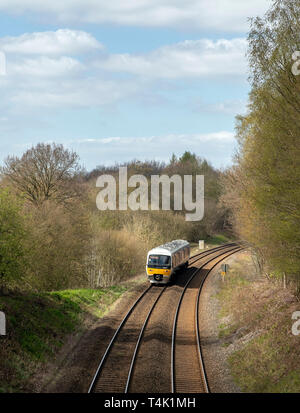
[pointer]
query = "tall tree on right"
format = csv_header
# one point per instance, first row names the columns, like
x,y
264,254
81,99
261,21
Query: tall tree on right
x,y
262,189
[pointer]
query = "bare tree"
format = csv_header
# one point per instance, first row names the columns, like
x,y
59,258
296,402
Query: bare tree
x,y
44,172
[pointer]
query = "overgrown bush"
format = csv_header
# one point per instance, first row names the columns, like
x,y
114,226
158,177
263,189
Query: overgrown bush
x,y
12,236
263,186
59,242
117,257
71,244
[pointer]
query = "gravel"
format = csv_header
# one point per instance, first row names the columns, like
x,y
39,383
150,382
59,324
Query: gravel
x,y
214,352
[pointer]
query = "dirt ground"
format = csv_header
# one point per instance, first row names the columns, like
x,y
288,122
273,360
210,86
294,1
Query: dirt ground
x,y
213,348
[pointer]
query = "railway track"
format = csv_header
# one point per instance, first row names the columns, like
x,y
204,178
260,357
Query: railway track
x,y
185,336
202,254
147,332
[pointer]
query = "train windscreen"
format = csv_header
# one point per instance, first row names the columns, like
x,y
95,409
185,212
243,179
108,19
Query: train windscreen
x,y
159,260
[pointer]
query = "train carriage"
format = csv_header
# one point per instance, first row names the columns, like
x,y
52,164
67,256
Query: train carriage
x,y
163,261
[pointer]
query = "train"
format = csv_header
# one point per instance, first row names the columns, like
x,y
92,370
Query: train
x,y
164,261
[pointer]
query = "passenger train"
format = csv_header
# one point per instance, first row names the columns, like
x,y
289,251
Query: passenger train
x,y
163,261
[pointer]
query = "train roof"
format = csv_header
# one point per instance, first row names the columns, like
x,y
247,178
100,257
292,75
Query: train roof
x,y
169,247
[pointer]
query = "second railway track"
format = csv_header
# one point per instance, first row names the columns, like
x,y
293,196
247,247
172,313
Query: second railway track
x,y
156,347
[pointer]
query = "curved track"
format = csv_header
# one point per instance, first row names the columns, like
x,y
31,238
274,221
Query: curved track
x,y
186,338
169,337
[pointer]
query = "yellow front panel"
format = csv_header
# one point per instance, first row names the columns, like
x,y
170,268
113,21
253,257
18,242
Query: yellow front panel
x,y
151,271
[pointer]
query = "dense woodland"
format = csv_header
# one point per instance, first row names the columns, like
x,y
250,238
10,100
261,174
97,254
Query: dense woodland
x,y
54,237
262,188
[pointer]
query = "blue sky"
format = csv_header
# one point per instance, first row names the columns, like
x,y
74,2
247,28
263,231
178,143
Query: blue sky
x,y
120,80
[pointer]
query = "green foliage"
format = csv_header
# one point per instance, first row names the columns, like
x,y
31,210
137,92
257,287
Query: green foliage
x,y
12,233
37,326
71,244
255,317
263,188
59,243
259,367
121,239
217,240
189,157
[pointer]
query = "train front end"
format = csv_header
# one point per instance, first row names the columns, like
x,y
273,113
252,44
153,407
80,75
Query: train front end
x,y
158,268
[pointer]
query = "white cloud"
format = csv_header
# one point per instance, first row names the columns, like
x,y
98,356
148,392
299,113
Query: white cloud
x,y
228,107
152,142
191,58
46,67
60,42
67,93
217,147
221,15
41,72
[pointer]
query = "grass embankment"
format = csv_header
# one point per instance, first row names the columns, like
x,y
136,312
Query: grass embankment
x,y
210,242
38,325
217,240
256,325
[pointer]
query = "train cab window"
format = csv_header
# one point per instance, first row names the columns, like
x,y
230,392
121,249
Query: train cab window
x,y
159,261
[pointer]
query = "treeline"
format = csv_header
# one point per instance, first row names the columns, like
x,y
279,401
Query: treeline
x,y
44,226
54,237
262,189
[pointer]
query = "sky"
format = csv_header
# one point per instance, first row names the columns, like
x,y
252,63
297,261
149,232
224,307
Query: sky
x,y
124,79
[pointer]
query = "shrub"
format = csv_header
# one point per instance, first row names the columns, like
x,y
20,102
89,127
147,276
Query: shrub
x,y
12,233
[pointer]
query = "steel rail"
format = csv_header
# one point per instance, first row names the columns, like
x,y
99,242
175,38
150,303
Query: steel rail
x,y
202,365
141,335
121,325
173,378
204,253
133,360
92,385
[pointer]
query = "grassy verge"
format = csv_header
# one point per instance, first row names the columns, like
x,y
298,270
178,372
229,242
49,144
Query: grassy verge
x,y
255,324
210,242
217,240
38,325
